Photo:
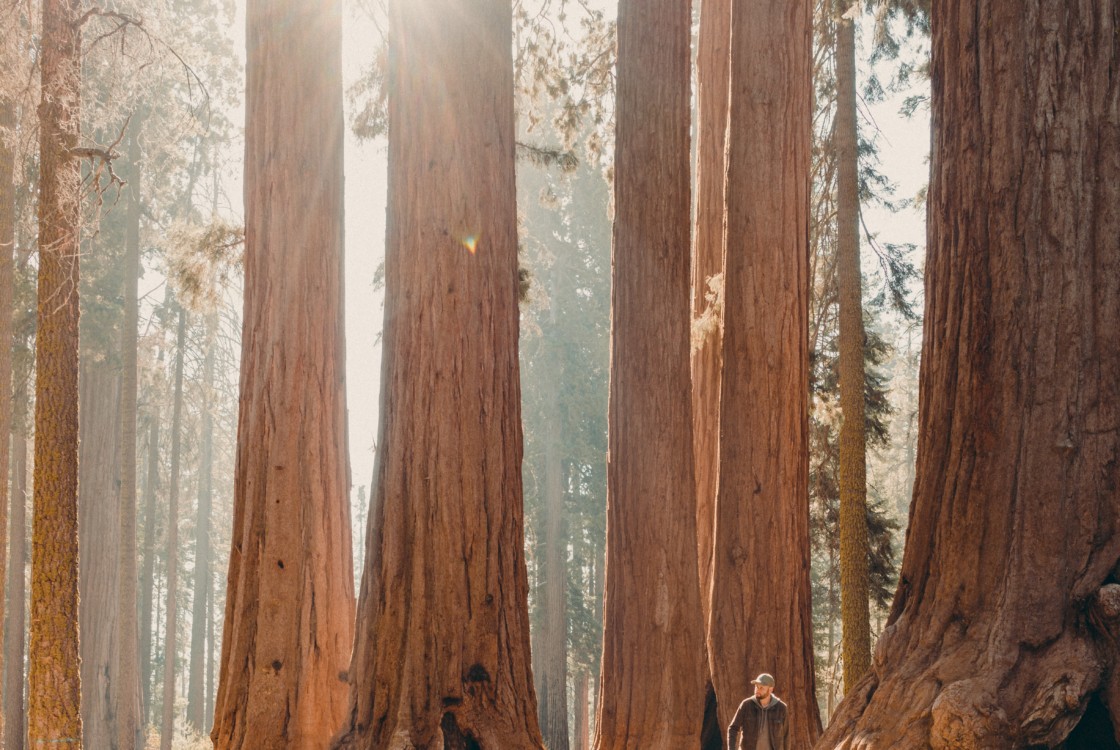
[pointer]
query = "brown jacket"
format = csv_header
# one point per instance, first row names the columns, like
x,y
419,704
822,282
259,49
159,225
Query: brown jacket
x,y
748,721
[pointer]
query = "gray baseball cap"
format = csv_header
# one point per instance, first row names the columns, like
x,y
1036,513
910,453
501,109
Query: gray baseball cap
x,y
764,679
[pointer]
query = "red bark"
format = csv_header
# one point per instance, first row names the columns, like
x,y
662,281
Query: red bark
x,y
441,658
651,689
761,620
1003,631
289,620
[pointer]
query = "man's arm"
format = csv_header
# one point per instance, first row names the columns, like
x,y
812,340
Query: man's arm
x,y
783,744
735,727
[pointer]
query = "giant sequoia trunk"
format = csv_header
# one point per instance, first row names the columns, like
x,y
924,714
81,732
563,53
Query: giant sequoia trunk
x,y
54,703
707,268
855,549
441,658
98,519
652,685
290,599
1003,632
760,619
712,72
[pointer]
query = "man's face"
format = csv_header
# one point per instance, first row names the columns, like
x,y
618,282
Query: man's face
x,y
762,692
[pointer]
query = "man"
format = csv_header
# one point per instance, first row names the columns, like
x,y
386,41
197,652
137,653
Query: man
x,y
761,719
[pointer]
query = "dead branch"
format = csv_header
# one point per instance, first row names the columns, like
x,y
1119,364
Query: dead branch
x,y
95,11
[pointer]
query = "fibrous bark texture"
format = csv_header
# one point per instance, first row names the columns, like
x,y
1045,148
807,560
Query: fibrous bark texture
x,y
760,619
652,673
441,658
54,702
855,550
1003,630
289,622
712,71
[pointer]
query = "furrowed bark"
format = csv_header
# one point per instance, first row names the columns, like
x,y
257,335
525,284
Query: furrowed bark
x,y
761,620
652,673
441,659
1004,627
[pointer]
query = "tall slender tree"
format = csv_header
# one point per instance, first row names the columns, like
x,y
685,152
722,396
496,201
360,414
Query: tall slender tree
x,y
441,657
290,600
855,548
652,674
98,519
147,571
15,682
7,304
54,700
128,695
202,604
761,568
1003,629
551,668
171,610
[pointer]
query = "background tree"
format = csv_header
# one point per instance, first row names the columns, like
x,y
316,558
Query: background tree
x,y
202,605
855,547
1014,469
167,715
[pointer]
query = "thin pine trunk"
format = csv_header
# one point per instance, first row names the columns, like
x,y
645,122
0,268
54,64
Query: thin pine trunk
x,y
855,549
54,695
127,683
147,575
170,645
551,662
201,605
15,679
7,291
208,723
